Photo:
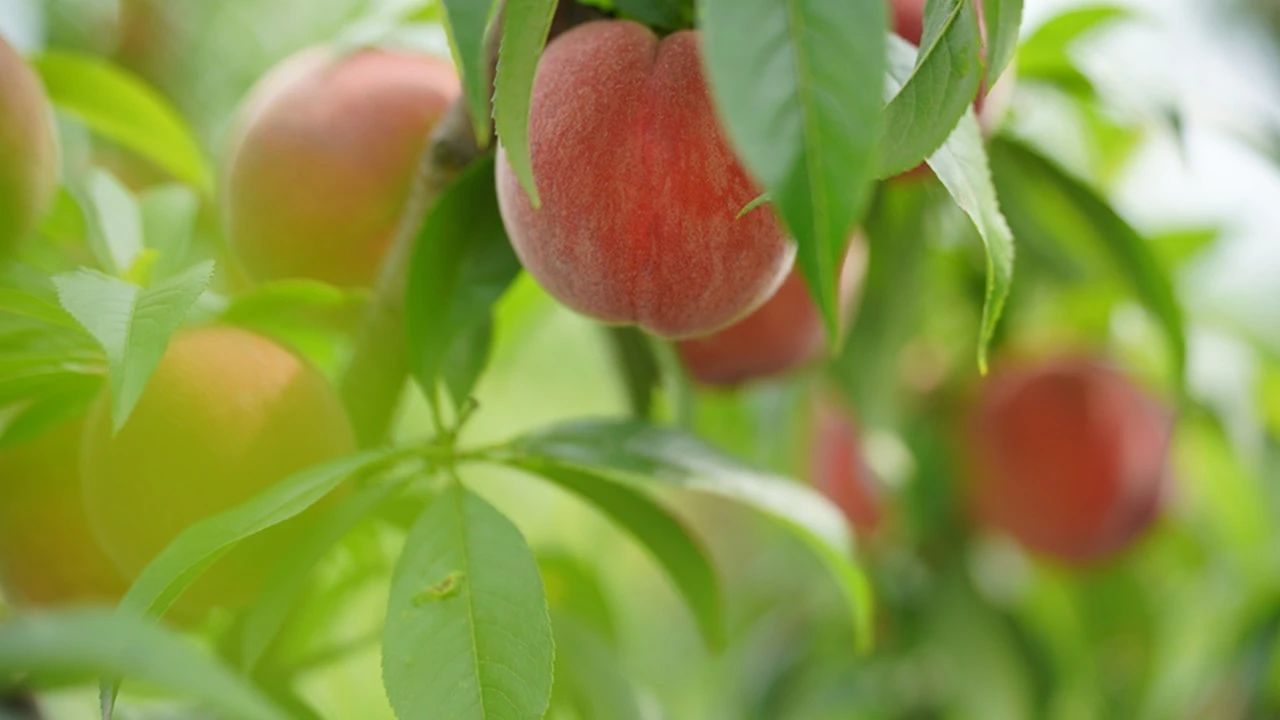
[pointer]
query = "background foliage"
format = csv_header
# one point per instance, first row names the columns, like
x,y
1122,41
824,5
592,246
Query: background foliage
x,y
1134,168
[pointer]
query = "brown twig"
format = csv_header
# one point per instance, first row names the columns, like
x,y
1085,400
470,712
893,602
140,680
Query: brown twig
x,y
374,379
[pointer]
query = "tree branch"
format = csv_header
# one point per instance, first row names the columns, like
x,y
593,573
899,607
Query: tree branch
x,y
374,380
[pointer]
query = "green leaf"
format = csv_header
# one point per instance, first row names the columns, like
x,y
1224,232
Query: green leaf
x,y
1045,202
663,14
462,264
197,547
20,303
114,221
645,456
184,559
961,165
939,89
467,25
50,408
168,225
121,107
1052,39
524,33
637,367
666,538
54,647
797,84
1003,19
1045,55
467,634
280,595
132,324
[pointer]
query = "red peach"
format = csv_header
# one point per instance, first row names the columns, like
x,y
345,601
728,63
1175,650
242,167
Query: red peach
x,y
1069,457
323,158
839,469
640,190
226,414
782,335
908,19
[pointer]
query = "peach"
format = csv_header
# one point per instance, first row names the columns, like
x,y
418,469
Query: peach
x,y
226,414
28,150
780,336
839,469
640,191
322,160
908,19
1068,457
48,556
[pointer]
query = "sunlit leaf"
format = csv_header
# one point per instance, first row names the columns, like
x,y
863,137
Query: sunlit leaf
x,y
132,324
122,108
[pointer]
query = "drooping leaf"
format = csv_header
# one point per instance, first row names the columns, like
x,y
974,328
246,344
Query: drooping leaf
x,y
75,645
1046,202
524,33
468,634
467,24
132,324
123,108
938,90
797,84
668,541
1003,19
462,264
961,165
647,456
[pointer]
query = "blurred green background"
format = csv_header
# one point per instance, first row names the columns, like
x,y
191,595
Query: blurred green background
x,y
1177,122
